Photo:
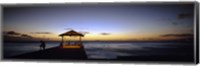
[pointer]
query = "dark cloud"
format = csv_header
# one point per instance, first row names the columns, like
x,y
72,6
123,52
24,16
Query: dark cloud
x,y
40,32
76,29
26,36
105,33
150,39
84,32
68,28
178,17
12,33
184,15
15,36
20,38
177,35
175,23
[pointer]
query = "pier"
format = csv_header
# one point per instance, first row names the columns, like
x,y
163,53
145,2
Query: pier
x,y
55,53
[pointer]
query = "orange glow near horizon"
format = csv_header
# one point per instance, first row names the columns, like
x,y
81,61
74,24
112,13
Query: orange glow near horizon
x,y
112,37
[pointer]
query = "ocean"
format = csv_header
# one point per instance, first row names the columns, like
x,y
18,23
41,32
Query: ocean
x,y
110,50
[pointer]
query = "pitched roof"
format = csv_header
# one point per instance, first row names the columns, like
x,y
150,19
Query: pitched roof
x,y
71,33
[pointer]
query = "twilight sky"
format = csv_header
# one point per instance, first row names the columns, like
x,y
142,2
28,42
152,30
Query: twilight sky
x,y
103,21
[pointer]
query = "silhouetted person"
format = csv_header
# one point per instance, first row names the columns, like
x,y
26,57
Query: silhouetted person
x,y
42,46
61,44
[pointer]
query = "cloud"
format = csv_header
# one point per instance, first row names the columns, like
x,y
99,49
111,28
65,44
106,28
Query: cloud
x,y
40,32
175,23
184,15
150,39
105,33
177,35
16,34
68,28
84,32
76,29
179,16
12,33
26,36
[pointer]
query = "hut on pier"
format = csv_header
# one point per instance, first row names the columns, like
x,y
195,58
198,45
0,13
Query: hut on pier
x,y
71,33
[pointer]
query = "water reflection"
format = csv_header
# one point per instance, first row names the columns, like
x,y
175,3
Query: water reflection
x,y
106,50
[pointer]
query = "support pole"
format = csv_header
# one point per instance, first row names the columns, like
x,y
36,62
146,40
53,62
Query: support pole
x,y
80,40
61,44
62,39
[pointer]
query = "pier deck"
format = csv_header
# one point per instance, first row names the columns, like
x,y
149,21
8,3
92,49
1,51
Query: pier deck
x,y
54,53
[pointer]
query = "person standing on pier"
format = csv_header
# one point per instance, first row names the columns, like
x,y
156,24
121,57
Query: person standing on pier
x,y
42,45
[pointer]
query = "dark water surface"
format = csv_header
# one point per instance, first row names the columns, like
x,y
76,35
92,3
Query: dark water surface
x,y
110,50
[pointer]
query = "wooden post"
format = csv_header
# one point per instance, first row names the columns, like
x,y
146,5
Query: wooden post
x,y
61,44
62,39
68,42
80,39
